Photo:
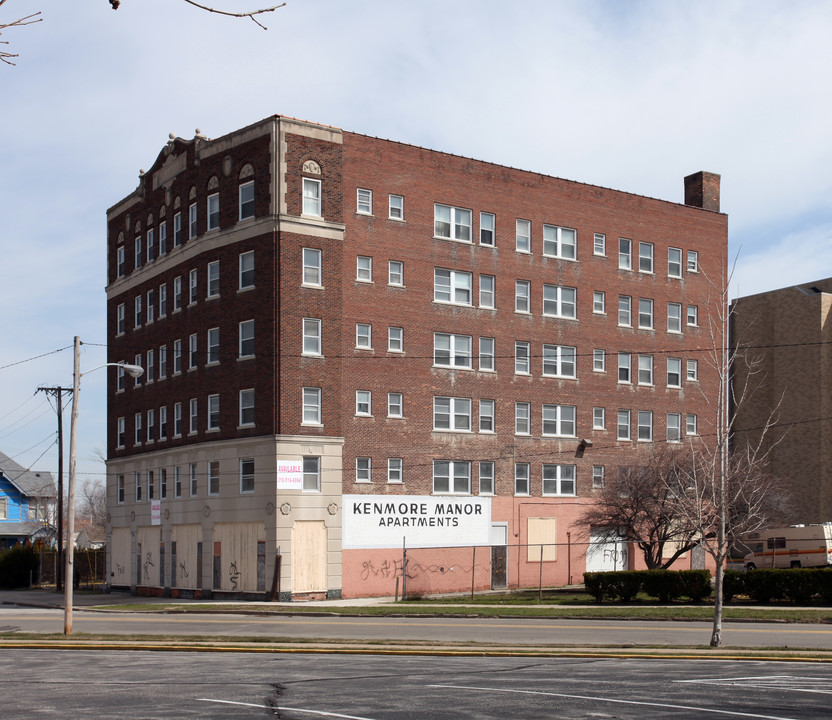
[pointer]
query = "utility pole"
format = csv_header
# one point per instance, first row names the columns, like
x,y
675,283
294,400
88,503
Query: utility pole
x,y
58,393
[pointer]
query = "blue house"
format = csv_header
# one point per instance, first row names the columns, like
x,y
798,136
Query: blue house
x,y
27,500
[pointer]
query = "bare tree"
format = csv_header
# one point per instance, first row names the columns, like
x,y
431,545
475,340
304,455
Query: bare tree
x,y
642,505
92,513
251,14
6,56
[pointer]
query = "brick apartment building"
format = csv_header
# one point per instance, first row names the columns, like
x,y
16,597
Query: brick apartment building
x,y
354,345
788,332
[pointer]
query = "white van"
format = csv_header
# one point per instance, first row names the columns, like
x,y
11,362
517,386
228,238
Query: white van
x,y
795,546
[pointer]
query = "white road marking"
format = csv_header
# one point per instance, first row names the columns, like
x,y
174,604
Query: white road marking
x,y
283,707
771,682
621,702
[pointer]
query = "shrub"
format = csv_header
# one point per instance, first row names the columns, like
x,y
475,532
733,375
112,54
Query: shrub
x,y
733,583
662,584
17,565
765,585
695,584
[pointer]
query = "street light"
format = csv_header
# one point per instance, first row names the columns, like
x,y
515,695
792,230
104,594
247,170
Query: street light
x,y
132,370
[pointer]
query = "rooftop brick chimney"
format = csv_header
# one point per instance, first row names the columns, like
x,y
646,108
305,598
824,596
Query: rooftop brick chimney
x,y
702,190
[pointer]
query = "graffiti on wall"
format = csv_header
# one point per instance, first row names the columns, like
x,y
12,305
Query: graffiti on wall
x,y
148,563
183,570
234,575
393,569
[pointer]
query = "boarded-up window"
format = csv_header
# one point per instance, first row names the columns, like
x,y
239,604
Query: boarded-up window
x,y
541,531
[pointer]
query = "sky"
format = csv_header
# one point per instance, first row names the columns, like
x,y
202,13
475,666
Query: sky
x,y
631,95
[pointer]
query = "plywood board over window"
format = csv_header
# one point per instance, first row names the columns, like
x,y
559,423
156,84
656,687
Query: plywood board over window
x,y
120,556
308,556
184,540
238,565
149,539
541,531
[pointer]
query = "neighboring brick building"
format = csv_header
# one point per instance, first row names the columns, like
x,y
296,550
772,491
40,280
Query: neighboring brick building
x,y
330,321
787,335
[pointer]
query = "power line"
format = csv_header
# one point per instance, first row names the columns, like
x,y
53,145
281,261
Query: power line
x,y
36,357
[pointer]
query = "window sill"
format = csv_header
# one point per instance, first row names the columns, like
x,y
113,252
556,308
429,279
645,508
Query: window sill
x,y
312,287
246,289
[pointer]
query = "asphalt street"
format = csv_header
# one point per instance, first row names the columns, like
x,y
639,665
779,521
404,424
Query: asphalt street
x,y
112,684
506,631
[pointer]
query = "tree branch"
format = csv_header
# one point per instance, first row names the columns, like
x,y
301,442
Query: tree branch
x,y
250,14
20,22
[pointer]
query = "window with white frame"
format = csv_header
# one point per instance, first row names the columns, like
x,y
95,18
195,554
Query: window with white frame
x,y
193,286
193,416
213,211
451,223
623,425
599,302
395,339
246,200
177,357
451,477
645,313
691,425
395,273
364,201
487,416
177,481
177,230
151,245
150,366
192,351
486,356
246,475
452,413
120,262
311,406
137,381
487,285
674,427
599,360
674,372
674,317
364,336
394,405
599,418
177,419
364,268
693,370
363,402
363,469
214,477
163,422
559,361
523,236
522,418
599,246
311,267
138,307
597,476
645,257
625,254
311,473
559,420
486,477
521,357
674,262
452,286
558,479
451,350
151,485
247,407
151,306
120,378
311,197
120,323
693,261
192,473
559,301
138,478
214,412
163,300
119,494
192,221
488,226
177,293
247,270
214,279
559,242
625,310
138,249
246,346
395,209
163,237
120,432
521,478
213,346
138,427
693,315
522,296
394,470
624,364
645,426
645,369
